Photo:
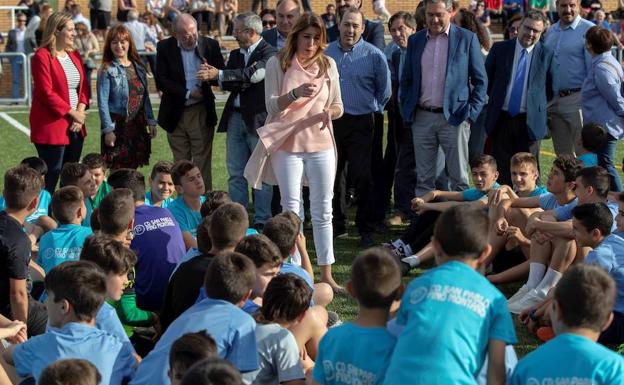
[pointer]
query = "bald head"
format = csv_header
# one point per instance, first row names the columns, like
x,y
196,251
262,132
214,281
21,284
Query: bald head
x,y
288,12
186,30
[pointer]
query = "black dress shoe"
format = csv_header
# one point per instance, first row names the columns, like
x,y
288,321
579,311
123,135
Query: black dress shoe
x,y
367,240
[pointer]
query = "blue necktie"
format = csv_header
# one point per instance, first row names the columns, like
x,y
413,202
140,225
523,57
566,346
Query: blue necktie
x,y
515,98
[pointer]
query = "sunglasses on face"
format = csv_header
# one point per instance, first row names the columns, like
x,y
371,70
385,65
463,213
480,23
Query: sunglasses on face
x,y
269,23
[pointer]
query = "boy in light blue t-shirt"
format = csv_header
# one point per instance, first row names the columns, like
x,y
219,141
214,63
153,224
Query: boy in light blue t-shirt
x,y
581,309
186,208
76,290
161,185
79,175
452,316
229,280
359,352
65,242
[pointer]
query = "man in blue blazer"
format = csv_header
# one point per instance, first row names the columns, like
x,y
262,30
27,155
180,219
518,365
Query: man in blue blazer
x,y
287,12
442,92
521,74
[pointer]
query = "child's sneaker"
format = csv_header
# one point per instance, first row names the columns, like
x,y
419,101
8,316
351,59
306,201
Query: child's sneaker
x,y
519,294
531,299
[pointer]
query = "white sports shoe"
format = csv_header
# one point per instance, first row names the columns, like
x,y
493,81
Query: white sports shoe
x,y
519,294
530,299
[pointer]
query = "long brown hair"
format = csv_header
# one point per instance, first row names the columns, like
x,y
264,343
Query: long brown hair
x,y
308,19
469,21
119,31
55,23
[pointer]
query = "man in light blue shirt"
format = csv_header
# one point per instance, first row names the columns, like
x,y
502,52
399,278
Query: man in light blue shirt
x,y
366,88
567,39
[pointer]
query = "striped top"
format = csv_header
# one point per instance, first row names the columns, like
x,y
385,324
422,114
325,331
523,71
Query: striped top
x,y
73,79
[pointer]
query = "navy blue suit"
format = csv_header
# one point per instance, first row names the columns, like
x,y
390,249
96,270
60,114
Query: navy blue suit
x,y
522,132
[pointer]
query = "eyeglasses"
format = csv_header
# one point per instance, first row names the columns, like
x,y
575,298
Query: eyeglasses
x,y
269,23
21,20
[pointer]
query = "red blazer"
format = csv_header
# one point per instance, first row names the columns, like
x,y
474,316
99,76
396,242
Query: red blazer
x,y
49,122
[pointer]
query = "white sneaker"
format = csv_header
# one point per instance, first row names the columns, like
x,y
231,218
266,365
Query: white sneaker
x,y
519,294
531,299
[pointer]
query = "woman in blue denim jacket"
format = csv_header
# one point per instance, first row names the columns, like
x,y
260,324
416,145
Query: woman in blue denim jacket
x,y
602,98
128,123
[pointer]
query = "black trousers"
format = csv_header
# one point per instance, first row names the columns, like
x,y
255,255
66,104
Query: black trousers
x,y
383,163
354,137
405,172
510,136
56,156
419,232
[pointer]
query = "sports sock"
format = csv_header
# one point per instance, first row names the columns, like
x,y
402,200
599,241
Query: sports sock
x,y
549,281
536,273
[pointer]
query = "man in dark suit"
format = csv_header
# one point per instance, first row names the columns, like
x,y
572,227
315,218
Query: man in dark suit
x,y
19,41
287,12
437,102
243,76
187,109
521,75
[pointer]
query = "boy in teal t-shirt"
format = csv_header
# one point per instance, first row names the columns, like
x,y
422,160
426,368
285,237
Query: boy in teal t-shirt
x,y
97,168
78,174
451,315
161,186
581,309
359,352
65,242
186,208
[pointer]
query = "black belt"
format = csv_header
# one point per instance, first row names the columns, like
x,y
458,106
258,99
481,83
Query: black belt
x,y
435,110
568,92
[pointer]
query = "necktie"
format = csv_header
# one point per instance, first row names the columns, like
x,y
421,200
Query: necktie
x,y
515,98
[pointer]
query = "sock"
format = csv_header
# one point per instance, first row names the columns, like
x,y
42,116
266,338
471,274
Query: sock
x,y
412,260
549,281
398,243
407,249
536,273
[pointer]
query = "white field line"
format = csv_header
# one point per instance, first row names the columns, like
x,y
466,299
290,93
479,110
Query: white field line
x,y
25,130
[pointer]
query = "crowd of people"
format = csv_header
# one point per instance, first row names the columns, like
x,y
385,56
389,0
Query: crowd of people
x,y
109,277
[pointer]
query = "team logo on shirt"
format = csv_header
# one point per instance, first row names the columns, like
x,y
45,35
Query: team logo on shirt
x,y
560,380
418,295
153,224
347,373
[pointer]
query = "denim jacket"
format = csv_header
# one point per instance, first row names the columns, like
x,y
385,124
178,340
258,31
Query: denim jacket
x,y
112,94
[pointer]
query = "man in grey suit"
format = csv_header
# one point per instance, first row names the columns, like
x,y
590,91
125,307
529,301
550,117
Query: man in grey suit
x,y
19,41
521,79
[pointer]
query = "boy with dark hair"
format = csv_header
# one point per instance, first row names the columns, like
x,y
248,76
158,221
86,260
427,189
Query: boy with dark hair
x,y
554,248
593,137
300,256
454,287
78,174
214,200
213,371
187,351
161,185
375,284
116,214
71,371
65,242
190,188
228,283
22,185
592,228
226,226
41,215
580,311
284,304
76,290
97,168
157,242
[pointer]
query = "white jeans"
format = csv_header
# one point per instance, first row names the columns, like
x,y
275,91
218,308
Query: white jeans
x,y
320,169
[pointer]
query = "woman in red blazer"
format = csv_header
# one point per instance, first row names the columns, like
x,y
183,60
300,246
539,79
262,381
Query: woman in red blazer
x,y
60,98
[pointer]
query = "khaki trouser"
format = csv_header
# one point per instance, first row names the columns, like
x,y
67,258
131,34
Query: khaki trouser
x,y
565,123
192,140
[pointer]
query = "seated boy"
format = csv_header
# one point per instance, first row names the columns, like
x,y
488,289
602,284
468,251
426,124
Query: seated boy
x,y
22,186
284,304
593,137
78,174
161,185
226,227
300,256
65,242
157,242
375,284
213,371
97,168
228,283
190,188
553,247
507,227
187,351
71,371
414,246
41,216
581,310
76,290
480,322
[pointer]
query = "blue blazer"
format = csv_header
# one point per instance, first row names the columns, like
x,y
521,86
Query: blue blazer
x,y
464,69
270,35
540,86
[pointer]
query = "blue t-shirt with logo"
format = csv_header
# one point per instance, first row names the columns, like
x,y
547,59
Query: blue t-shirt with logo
x,y
165,203
61,245
233,330
472,194
351,354
449,314
42,207
609,255
86,222
548,201
564,213
187,218
569,359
